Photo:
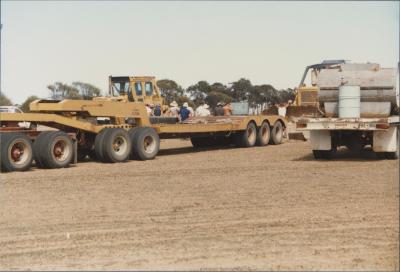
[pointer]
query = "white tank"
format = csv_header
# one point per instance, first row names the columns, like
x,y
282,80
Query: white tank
x,y
349,101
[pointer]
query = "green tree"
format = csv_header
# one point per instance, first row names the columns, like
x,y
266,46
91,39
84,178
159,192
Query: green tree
x,y
59,91
170,90
25,105
86,90
265,93
198,92
5,101
242,89
214,97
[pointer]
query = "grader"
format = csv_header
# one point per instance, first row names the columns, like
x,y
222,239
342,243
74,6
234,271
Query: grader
x,y
129,132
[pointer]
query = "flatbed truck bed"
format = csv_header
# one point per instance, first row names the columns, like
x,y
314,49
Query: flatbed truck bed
x,y
129,133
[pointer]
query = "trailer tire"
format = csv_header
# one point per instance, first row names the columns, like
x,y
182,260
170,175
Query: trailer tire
x,y
53,150
16,152
276,133
116,145
263,134
131,133
38,147
248,137
98,144
146,144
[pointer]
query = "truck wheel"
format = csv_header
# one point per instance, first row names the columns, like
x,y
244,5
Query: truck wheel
x,y
247,138
53,150
276,133
116,145
146,144
131,134
263,134
16,152
98,144
38,147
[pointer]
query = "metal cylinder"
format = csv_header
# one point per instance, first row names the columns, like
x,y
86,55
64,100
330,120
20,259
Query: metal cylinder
x,y
349,101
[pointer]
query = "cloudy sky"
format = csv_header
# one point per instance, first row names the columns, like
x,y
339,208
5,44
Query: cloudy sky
x,y
266,42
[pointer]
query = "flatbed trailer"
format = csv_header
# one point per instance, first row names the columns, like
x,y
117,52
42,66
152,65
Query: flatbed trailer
x,y
327,134
129,132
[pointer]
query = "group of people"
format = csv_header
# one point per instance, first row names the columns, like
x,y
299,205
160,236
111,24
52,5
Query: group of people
x,y
185,112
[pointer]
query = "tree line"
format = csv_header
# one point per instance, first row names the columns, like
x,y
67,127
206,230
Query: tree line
x,y
240,90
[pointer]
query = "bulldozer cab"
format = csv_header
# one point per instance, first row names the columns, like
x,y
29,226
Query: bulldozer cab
x,y
136,89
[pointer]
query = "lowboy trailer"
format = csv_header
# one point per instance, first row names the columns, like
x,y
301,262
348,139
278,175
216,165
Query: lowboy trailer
x,y
128,133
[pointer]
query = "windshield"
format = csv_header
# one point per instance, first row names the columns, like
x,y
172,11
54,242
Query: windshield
x,y
121,87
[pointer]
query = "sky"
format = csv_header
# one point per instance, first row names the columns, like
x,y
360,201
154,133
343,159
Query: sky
x,y
265,42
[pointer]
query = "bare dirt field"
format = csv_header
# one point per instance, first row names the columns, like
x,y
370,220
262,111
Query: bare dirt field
x,y
263,208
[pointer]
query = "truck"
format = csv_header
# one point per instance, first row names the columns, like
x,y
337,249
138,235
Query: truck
x,y
117,128
358,106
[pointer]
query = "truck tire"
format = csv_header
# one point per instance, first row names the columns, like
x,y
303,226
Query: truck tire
x,y
16,152
98,144
263,134
116,145
53,149
131,134
248,137
38,147
146,144
276,133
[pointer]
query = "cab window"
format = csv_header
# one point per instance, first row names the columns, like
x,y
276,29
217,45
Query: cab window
x,y
138,88
148,88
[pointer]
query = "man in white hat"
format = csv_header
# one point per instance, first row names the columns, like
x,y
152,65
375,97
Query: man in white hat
x,y
203,110
173,111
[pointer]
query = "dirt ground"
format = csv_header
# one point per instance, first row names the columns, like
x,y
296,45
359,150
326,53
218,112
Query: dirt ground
x,y
263,208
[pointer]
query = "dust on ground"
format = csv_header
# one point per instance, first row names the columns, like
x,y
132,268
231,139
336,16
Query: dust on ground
x,y
261,208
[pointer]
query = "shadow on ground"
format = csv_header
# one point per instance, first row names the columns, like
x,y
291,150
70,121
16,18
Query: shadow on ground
x,y
344,154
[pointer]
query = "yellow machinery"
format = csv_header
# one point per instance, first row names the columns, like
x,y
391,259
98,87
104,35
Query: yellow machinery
x,y
306,102
135,89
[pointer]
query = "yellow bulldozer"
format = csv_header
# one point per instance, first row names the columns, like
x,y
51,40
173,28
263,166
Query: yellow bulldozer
x,y
306,101
134,89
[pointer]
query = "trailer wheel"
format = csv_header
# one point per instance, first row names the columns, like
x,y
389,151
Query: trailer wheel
x,y
16,152
98,144
248,137
263,134
146,144
116,145
53,150
276,133
131,133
